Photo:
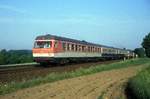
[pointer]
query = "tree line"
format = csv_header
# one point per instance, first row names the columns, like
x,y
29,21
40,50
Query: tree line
x,y
15,56
144,51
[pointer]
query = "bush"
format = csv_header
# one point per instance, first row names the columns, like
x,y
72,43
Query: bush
x,y
15,56
139,86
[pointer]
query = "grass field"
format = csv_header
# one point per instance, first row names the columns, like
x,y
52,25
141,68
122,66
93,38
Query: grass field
x,y
139,86
13,86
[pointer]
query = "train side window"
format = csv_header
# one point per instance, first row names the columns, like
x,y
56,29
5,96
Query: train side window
x,y
76,47
83,49
91,49
68,46
72,47
80,48
64,46
100,50
55,44
88,49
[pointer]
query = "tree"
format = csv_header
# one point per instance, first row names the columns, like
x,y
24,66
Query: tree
x,y
2,61
140,52
146,45
3,56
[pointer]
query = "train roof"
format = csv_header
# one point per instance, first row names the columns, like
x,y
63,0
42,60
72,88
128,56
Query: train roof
x,y
49,36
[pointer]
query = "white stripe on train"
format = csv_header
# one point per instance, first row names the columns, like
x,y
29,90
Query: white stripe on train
x,y
67,54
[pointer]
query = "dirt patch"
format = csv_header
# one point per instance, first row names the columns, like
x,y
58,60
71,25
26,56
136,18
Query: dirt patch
x,y
115,90
84,87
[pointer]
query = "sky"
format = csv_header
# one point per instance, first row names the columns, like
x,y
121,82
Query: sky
x,y
117,23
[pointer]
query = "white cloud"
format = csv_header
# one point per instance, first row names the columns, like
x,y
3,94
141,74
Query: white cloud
x,y
13,9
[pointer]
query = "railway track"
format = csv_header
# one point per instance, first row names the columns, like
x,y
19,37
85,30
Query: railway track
x,y
18,74
15,69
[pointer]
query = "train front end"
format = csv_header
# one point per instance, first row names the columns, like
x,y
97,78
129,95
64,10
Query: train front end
x,y
43,50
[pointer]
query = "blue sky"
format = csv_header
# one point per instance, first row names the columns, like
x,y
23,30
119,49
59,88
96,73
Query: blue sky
x,y
118,23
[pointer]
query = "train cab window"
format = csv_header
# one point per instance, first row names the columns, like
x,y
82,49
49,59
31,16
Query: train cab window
x,y
55,44
43,44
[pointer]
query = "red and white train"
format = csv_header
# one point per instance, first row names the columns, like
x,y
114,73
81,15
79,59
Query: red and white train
x,y
56,49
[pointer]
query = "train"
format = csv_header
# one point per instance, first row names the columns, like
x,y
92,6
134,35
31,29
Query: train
x,y
56,49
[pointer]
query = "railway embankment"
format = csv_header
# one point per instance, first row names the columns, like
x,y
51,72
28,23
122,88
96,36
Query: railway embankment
x,y
23,73
13,87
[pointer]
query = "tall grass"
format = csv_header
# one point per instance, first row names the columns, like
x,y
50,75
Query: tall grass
x,y
13,86
139,86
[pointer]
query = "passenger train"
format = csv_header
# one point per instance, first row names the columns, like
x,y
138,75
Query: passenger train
x,y
55,49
